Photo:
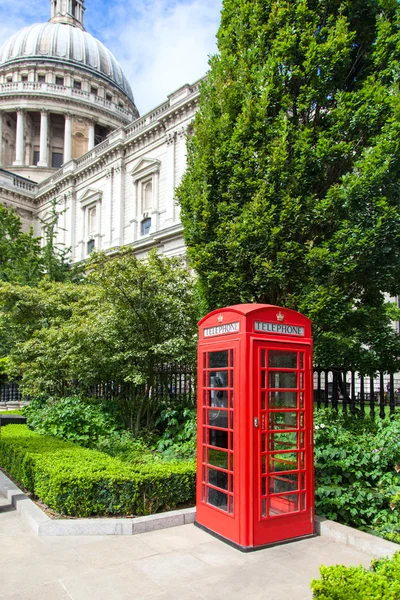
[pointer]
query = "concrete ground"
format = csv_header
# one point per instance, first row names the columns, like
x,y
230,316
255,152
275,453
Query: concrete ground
x,y
181,563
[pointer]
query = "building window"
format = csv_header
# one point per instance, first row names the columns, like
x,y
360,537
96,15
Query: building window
x,y
59,80
108,97
147,196
24,78
77,85
93,90
36,157
90,246
41,78
56,159
145,226
9,79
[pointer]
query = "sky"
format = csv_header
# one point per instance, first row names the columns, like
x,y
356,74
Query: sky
x,y
160,44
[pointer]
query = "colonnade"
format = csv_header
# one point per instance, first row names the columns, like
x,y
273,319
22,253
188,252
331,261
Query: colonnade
x,y
44,134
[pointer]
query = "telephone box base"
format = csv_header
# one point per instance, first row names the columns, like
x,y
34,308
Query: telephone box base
x,y
253,548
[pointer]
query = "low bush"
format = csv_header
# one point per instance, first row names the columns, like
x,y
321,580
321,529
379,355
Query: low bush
x,y
81,482
178,428
71,418
381,582
356,471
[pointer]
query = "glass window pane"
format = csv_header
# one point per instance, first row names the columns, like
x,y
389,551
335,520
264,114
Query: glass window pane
x,y
283,483
218,478
283,399
218,499
279,505
231,505
218,379
263,508
282,420
303,502
302,360
218,458
283,380
218,438
263,400
283,462
218,359
282,441
282,359
218,399
218,418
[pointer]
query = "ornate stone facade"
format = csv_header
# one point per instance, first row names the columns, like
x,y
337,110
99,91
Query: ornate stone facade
x,y
69,130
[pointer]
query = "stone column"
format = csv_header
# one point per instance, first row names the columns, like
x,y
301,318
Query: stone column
x,y
108,208
155,220
19,150
1,139
67,138
91,136
170,170
119,204
44,128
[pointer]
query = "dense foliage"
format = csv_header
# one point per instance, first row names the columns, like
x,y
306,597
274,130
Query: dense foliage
x,y
80,482
127,317
357,471
72,418
20,252
381,582
291,195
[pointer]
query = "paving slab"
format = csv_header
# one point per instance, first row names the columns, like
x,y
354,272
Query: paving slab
x,y
179,562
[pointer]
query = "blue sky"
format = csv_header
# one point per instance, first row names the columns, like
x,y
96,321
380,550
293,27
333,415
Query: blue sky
x,y
160,44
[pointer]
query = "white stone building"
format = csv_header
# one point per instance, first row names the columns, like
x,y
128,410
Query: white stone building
x,y
70,131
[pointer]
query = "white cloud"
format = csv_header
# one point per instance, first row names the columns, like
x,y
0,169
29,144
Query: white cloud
x,y
160,44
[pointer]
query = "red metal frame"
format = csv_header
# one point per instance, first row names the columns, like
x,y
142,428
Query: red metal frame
x,y
255,454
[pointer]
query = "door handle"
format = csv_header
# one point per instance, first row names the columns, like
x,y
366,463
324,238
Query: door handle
x,y
256,422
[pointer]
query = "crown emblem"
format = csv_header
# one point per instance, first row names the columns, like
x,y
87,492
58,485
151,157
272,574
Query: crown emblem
x,y
220,318
280,316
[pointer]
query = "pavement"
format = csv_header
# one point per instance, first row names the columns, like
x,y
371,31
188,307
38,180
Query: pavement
x,y
180,563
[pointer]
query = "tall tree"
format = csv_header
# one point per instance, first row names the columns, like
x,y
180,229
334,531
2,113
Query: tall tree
x,y
291,195
20,253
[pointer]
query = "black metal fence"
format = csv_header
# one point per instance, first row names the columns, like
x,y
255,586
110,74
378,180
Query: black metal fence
x,y
10,392
347,390
175,382
342,389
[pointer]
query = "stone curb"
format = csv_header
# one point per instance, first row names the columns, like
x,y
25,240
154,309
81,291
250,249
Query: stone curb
x,y
365,542
42,525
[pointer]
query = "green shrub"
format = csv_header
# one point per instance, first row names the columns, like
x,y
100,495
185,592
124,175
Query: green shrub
x,y
81,482
125,447
356,470
71,418
178,437
382,582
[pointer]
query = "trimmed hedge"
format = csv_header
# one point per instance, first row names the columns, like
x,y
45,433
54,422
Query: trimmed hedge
x,y
79,482
382,582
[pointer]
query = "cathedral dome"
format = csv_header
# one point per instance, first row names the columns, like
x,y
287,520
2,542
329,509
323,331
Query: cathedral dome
x,y
64,43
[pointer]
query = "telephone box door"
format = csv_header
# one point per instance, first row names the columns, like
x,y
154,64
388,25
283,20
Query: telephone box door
x,y
283,482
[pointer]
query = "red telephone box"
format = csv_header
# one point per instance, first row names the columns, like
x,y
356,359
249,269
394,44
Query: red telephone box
x,y
255,483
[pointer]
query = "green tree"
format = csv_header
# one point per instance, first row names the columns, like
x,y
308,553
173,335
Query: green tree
x,y
20,254
130,316
291,195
